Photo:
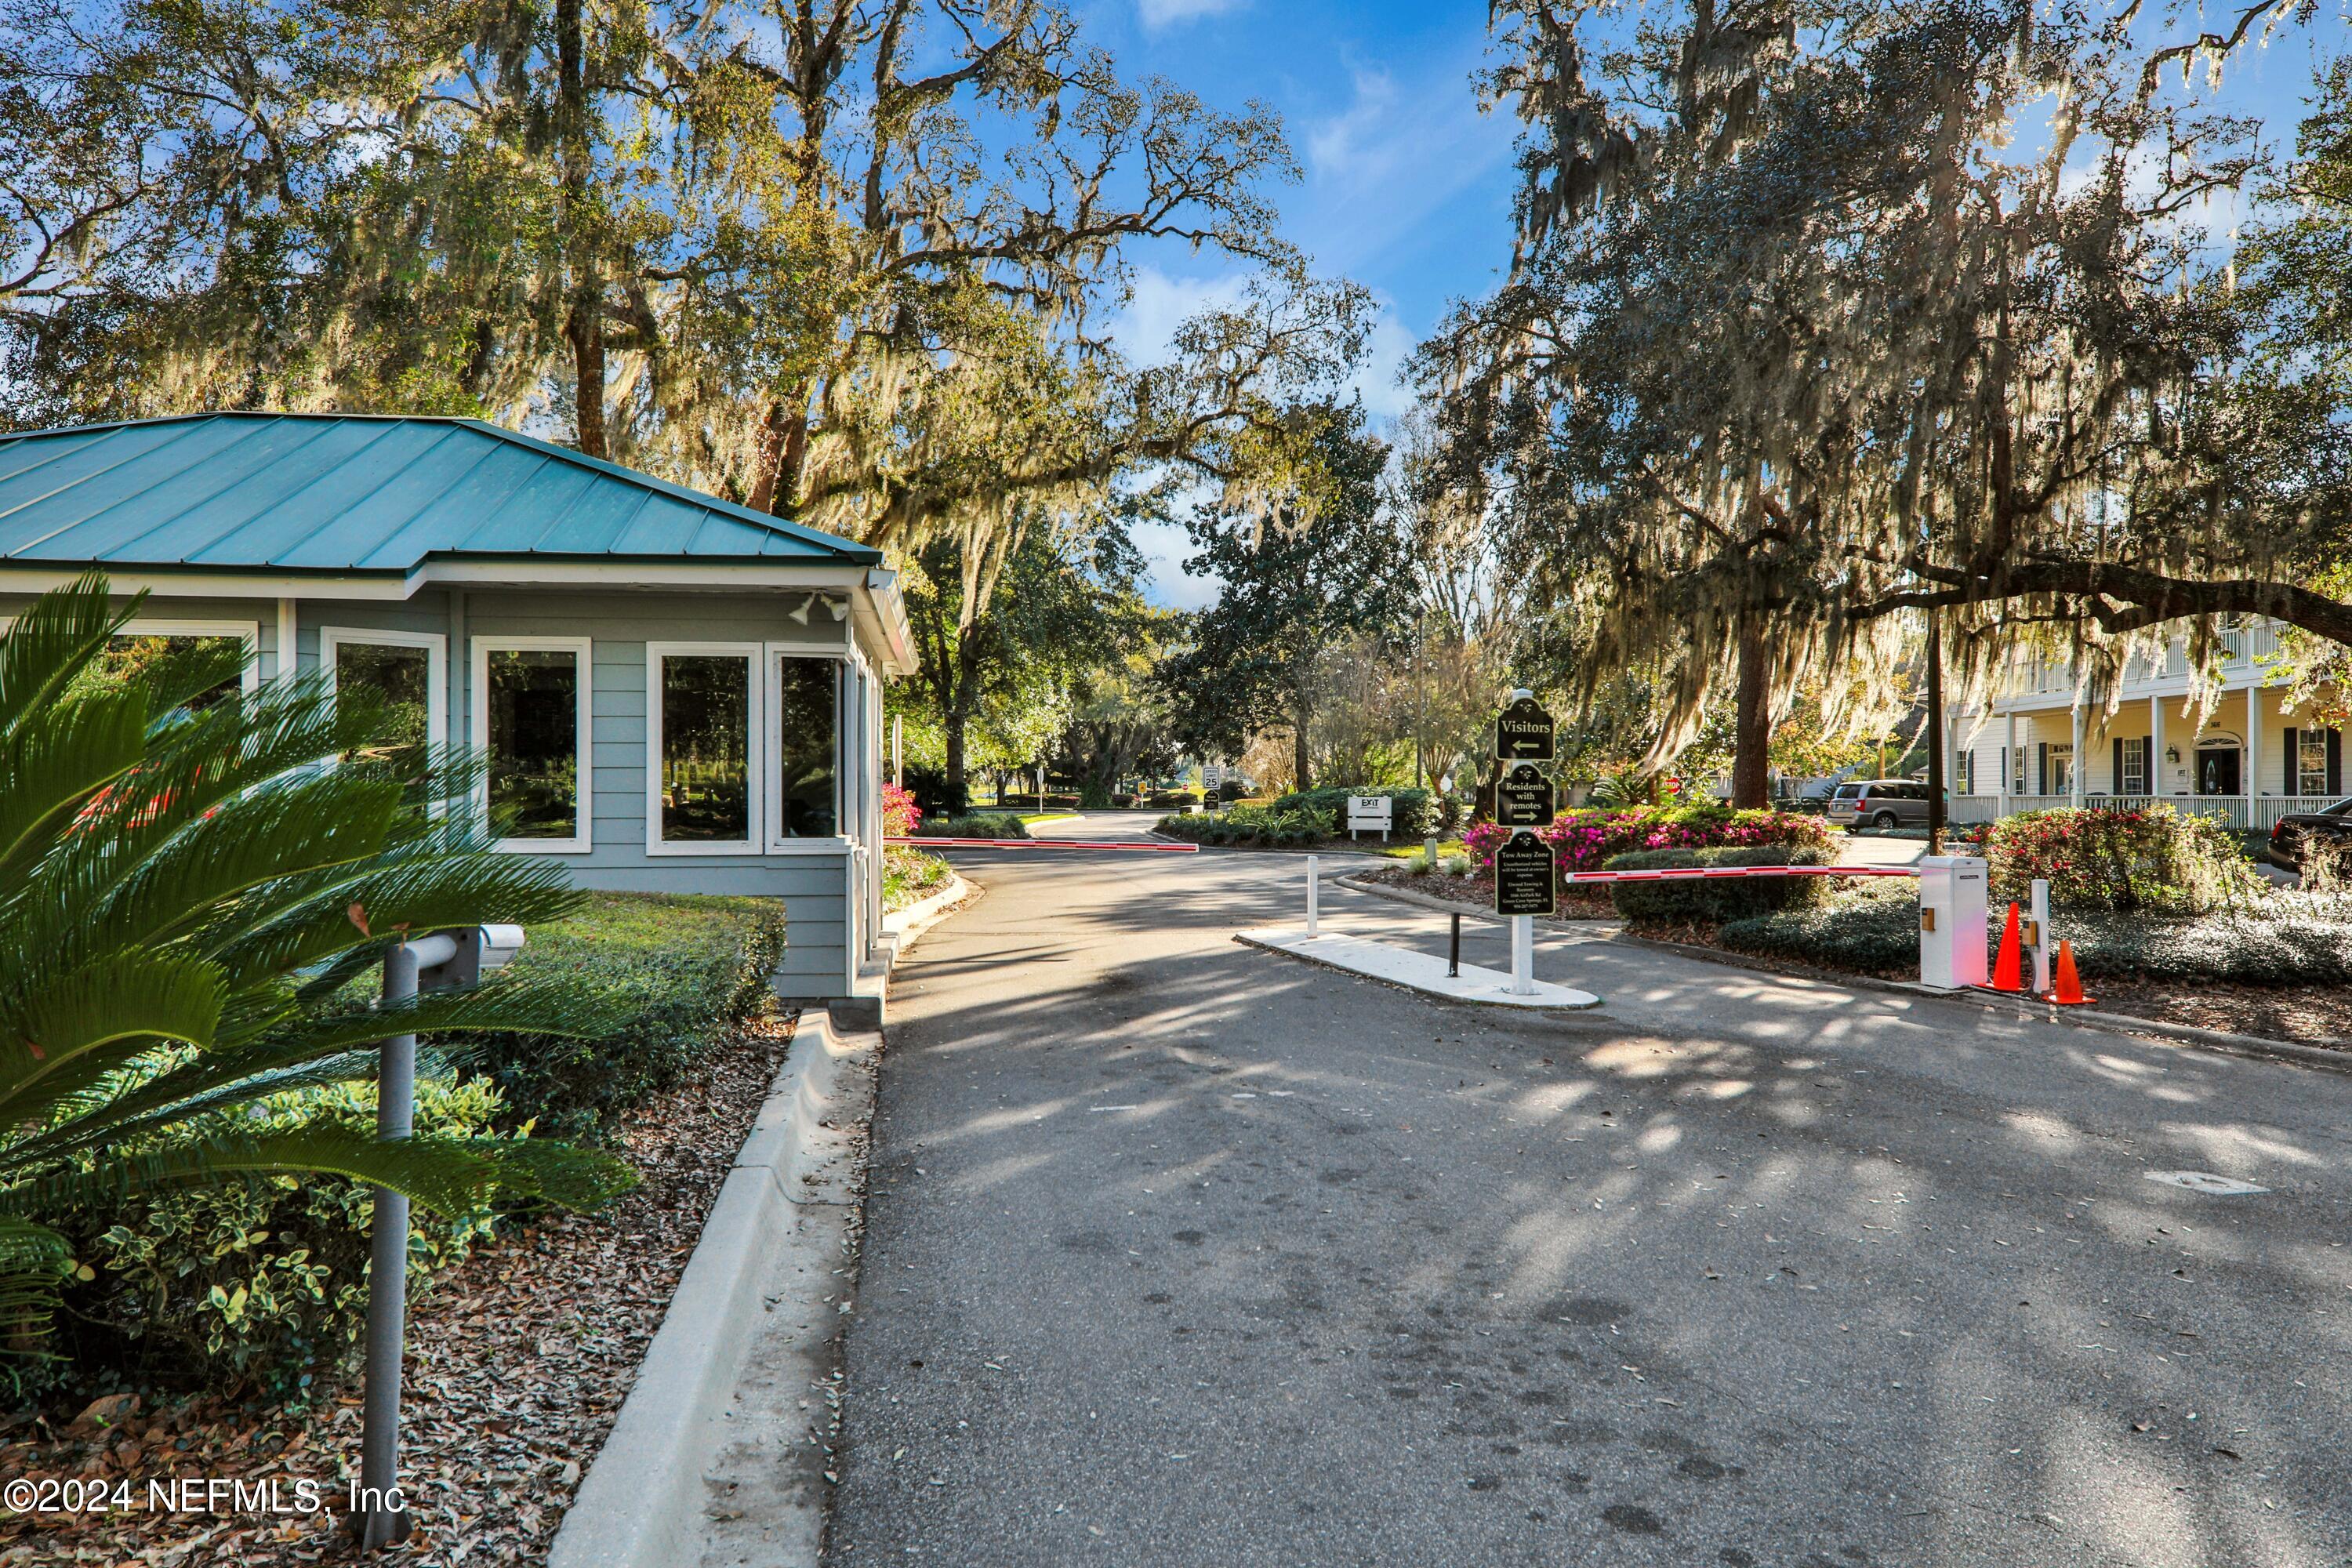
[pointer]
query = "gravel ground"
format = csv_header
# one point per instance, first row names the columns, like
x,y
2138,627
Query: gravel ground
x,y
518,1364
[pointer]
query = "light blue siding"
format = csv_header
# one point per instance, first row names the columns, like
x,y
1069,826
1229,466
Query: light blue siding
x,y
813,885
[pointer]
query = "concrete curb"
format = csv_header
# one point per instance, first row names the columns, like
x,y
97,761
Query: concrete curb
x,y
642,1503
2254,1046
1407,970
917,918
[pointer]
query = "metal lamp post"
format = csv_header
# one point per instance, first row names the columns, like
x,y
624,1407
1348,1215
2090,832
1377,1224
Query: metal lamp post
x,y
450,960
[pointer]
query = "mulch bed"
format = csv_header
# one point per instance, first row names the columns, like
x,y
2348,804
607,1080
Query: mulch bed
x,y
517,1362
2307,1014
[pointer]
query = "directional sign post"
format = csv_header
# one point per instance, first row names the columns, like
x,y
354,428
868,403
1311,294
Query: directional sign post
x,y
1523,799
1523,732
1523,889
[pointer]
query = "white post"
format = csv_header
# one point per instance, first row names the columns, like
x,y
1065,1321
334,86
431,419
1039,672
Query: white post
x,y
2010,765
1523,955
2041,912
1311,892
2253,782
285,639
1429,848
2074,772
898,750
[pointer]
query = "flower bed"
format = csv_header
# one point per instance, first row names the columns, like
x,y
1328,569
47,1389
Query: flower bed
x,y
1586,839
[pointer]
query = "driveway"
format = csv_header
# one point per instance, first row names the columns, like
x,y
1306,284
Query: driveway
x,y
1182,1253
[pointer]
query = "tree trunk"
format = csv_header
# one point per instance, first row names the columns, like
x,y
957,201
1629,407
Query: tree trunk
x,y
959,796
583,325
784,448
1298,765
1752,787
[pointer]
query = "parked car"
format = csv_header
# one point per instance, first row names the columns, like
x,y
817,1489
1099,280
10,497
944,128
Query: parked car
x,y
2296,828
1878,803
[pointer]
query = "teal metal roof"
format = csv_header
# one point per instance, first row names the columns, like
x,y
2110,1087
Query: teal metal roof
x,y
340,492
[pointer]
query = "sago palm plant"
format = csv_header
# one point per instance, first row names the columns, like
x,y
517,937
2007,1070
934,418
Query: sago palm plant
x,y
188,883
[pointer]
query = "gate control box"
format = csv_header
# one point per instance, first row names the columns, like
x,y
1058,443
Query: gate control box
x,y
1952,921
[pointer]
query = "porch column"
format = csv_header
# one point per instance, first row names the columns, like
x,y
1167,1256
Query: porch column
x,y
285,639
2159,781
2075,773
2009,763
2252,781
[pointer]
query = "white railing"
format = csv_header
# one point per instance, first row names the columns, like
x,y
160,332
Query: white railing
x,y
2258,814
2243,650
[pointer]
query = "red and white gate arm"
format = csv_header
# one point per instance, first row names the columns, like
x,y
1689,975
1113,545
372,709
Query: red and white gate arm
x,y
1046,844
1678,873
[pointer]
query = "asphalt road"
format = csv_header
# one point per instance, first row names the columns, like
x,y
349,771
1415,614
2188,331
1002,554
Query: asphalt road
x,y
1182,1253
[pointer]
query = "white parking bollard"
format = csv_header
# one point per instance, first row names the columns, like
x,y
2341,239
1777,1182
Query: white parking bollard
x,y
1310,896
2041,944
1523,955
1952,921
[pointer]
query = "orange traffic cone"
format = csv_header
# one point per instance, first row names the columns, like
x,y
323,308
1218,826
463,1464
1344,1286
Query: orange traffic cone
x,y
2066,986
2007,966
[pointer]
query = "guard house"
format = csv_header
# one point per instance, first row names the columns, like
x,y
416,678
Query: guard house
x,y
673,693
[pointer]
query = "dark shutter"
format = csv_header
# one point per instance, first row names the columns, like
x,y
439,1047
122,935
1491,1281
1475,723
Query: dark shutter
x,y
2148,764
2335,762
2116,779
2041,767
2293,763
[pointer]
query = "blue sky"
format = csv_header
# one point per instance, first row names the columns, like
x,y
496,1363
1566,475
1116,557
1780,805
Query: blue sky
x,y
1406,187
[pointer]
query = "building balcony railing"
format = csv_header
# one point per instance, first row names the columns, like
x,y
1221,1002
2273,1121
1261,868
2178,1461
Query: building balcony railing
x,y
2244,651
2257,814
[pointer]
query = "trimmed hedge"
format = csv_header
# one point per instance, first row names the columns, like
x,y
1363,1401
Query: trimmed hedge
x,y
686,968
1250,824
2295,940
976,825
1412,813
1871,931
1696,902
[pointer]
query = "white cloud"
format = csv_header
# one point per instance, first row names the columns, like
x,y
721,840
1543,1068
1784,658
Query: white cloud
x,y
1357,144
1380,380
1165,546
1159,304
1157,13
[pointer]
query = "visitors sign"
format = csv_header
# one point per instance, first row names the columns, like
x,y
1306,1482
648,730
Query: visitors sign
x,y
1523,732
1523,799
1523,876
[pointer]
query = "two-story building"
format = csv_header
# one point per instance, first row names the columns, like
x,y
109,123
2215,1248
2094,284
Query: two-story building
x,y
2252,758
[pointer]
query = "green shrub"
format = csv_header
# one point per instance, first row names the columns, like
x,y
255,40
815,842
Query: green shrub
x,y
256,1287
1870,930
976,825
2154,859
1696,902
1250,824
1412,813
686,968
2284,938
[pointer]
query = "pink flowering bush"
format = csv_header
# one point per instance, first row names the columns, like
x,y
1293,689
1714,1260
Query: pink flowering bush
x,y
2151,859
1583,840
900,815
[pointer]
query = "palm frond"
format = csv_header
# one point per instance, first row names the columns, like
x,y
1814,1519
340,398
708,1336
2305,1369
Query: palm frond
x,y
33,1261
75,1027
53,641
450,1176
55,764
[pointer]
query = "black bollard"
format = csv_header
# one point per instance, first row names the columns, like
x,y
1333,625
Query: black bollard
x,y
1454,952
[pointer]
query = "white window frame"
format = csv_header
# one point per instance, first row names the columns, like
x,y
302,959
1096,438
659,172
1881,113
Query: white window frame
x,y
436,667
2136,749
2317,738
771,743
582,649
758,739
250,631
